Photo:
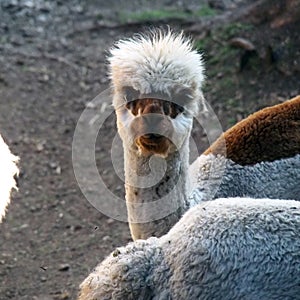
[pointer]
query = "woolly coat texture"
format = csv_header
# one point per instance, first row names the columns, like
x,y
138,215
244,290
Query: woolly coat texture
x,y
223,250
8,169
216,177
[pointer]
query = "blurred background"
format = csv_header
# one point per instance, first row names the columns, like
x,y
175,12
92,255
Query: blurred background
x,y
53,62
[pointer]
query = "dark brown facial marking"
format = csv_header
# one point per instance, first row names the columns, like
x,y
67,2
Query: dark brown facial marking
x,y
147,106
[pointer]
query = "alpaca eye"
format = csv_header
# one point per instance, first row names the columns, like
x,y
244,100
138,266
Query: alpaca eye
x,y
180,108
166,108
132,106
176,110
128,105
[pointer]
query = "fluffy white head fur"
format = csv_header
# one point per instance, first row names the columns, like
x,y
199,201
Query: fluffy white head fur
x,y
158,63
8,169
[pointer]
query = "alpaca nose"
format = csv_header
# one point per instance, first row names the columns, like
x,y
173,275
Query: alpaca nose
x,y
151,126
153,120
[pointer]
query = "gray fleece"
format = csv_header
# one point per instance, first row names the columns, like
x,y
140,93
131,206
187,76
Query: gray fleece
x,y
227,249
215,177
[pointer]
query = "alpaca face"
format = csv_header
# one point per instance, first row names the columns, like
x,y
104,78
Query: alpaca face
x,y
153,126
146,70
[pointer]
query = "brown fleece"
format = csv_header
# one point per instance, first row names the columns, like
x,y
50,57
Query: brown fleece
x,y
269,134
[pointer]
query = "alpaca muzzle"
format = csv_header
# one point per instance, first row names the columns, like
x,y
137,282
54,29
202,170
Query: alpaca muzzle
x,y
152,128
152,133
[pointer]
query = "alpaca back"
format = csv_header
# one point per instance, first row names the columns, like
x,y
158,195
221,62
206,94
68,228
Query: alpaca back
x,y
224,249
235,249
215,177
269,134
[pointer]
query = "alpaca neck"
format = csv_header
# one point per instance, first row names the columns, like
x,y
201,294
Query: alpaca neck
x,y
156,191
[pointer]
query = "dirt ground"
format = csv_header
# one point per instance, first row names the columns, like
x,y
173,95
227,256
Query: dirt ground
x,y
52,63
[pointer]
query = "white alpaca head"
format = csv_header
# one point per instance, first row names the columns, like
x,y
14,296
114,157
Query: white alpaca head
x,y
157,81
125,274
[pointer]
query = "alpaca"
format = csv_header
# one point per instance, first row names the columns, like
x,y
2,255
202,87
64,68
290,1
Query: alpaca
x,y
229,248
9,169
156,82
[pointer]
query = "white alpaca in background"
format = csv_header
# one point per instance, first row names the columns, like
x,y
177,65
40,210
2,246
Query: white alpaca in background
x,y
8,171
157,82
224,249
